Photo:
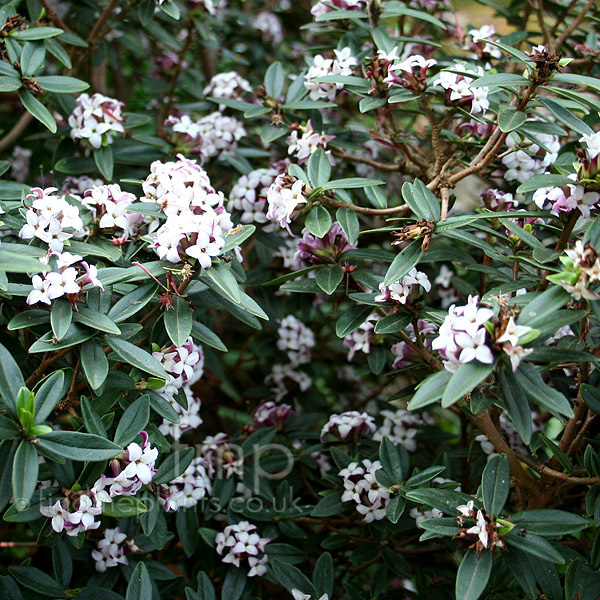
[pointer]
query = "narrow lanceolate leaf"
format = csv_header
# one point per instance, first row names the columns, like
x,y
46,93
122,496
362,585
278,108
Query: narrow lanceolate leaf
x,y
96,320
202,333
391,460
318,221
48,396
140,584
174,465
94,363
348,220
540,310
473,575
404,262
430,390
132,355
91,419
329,278
421,200
131,303
466,378
351,320
516,404
11,380
495,484
24,474
59,84
37,109
76,445
61,317
178,321
222,280
133,421
539,393
510,119
103,157
9,84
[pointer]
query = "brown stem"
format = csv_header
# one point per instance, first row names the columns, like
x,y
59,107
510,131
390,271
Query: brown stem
x,y
52,16
363,209
575,422
46,362
17,130
367,161
574,25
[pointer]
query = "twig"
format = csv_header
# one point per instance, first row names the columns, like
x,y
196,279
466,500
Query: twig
x,y
574,25
46,362
17,130
364,209
445,194
51,14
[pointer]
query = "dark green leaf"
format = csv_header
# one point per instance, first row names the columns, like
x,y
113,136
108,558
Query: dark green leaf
x,y
132,355
60,317
78,446
329,278
318,221
178,321
404,262
133,421
464,380
24,474
37,109
473,575
495,484
140,584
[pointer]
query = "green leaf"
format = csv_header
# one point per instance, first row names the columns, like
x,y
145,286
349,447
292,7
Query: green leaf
x,y
291,577
173,466
542,181
501,79
274,80
58,84
133,302
318,221
464,380
329,278
124,506
566,116
534,545
187,525
95,319
75,335
495,484
202,333
421,200
134,420
36,580
404,262
11,380
48,396
140,584
8,429
442,499
235,239
103,157
348,220
11,262
392,323
541,394
516,405
24,474
28,318
430,390
351,182
132,355
36,33
473,575
510,119
550,522
94,363
222,280
60,317
351,320
371,103
591,82
178,321
57,50
91,419
539,311
445,526
234,584
328,506
318,168
75,445
9,84
391,461
37,109
323,575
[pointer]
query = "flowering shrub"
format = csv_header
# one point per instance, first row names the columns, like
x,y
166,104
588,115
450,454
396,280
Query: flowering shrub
x,y
299,300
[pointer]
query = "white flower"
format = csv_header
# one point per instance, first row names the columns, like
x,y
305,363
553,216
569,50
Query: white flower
x,y
95,118
283,201
592,143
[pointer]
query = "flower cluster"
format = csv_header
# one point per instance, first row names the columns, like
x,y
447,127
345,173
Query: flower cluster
x,y
401,427
589,156
485,528
348,425
269,27
462,335
131,470
360,339
196,218
296,339
582,269
270,414
65,279
227,85
459,90
321,67
283,197
567,198
249,195
109,205
48,218
402,291
476,41
326,249
410,73
76,512
444,288
508,339
529,158
325,6
110,550
404,353
95,119
188,489
283,376
362,487
218,457
189,417
242,542
301,147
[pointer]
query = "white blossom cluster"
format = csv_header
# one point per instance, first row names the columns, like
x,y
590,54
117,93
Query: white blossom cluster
x,y
325,6
213,135
410,72
188,489
567,198
485,529
65,279
189,418
283,200
219,458
49,217
249,195
420,516
95,119
227,85
282,375
477,41
524,163
77,186
241,542
110,550
458,88
401,291
361,486
401,427
348,425
359,340
196,218
269,27
109,205
296,339
321,67
76,512
132,470
302,146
